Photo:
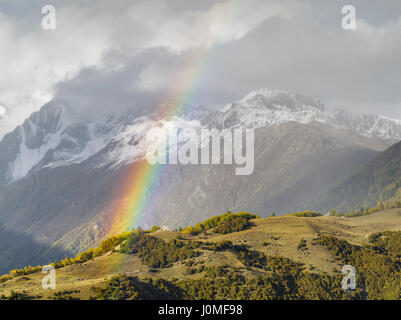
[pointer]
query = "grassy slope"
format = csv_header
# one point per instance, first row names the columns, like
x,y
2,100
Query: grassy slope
x,y
281,234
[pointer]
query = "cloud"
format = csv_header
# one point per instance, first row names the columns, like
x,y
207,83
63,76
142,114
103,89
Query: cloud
x,y
89,35
130,54
34,61
356,70
3,112
223,22
94,91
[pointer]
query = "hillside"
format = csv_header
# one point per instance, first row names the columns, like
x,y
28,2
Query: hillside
x,y
268,250
378,180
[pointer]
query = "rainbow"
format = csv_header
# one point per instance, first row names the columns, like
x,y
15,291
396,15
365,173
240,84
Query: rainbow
x,y
141,183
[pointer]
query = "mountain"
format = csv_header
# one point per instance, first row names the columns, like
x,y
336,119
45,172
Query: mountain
x,y
267,108
51,137
378,180
55,136
61,175
293,162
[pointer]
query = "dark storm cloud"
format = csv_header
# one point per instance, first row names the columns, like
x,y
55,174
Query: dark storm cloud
x,y
96,91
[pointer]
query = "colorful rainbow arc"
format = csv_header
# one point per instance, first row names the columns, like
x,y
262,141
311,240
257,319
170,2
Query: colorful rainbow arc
x,y
141,182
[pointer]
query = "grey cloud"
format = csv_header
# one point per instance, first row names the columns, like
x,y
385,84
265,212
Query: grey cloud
x,y
95,92
139,50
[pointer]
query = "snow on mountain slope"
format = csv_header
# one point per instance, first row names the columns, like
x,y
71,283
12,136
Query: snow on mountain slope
x,y
130,143
267,108
51,137
54,136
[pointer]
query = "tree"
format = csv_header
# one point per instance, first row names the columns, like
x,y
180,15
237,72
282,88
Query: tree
x,y
380,205
395,204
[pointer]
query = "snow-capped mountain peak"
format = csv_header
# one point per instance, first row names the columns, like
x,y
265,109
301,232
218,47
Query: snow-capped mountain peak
x,y
267,108
51,137
54,136
280,100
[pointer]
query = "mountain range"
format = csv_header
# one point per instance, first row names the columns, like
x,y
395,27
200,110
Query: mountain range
x,y
60,175
55,136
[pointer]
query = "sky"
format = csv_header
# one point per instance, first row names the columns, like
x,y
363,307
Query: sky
x,y
106,55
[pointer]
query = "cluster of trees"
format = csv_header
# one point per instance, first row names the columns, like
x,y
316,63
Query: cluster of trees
x,y
234,224
222,283
250,258
14,296
277,286
105,246
218,246
377,264
65,295
381,205
19,272
393,202
228,222
131,288
156,252
154,229
302,245
388,242
306,214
